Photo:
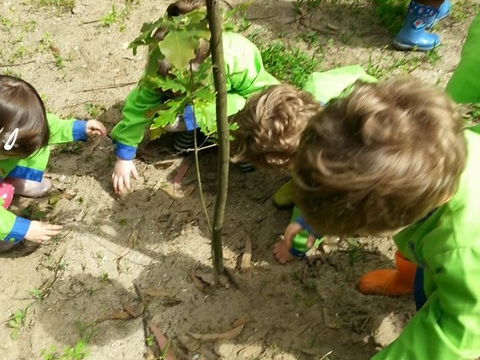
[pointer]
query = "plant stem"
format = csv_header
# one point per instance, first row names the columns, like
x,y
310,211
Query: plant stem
x,y
218,65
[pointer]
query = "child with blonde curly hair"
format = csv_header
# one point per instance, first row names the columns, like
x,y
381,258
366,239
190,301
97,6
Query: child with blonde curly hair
x,y
269,130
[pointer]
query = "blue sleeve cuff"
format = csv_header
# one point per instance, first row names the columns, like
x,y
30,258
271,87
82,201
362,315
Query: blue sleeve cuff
x,y
79,130
124,152
19,230
300,220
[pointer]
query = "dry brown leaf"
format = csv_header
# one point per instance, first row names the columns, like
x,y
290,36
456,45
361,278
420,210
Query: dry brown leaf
x,y
207,278
189,343
162,165
116,315
247,254
240,321
157,293
175,192
227,335
134,309
168,299
162,342
199,284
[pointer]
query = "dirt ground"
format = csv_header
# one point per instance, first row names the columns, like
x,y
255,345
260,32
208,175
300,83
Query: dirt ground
x,y
147,247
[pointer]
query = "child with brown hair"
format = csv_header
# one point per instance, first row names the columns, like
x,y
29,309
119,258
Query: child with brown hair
x,y
26,131
393,159
245,75
269,129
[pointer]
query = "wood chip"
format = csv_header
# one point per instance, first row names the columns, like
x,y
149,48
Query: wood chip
x,y
247,254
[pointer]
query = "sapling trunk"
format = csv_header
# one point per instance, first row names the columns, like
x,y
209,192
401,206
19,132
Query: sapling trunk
x,y
218,65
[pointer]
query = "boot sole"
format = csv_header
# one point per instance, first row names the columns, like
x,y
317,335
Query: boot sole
x,y
404,47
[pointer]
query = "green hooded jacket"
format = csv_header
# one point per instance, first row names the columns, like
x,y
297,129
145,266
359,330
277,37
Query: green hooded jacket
x,y
245,74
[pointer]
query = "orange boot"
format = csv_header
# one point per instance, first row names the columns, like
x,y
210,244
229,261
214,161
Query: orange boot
x,y
390,282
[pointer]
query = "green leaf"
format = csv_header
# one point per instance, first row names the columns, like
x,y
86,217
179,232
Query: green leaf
x,y
195,17
153,57
15,333
164,83
12,323
179,48
206,94
168,115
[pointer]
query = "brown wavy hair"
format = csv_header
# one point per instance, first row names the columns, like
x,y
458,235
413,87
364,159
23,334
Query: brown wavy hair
x,y
270,125
21,108
379,159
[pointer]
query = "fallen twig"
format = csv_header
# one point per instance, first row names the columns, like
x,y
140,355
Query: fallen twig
x,y
114,86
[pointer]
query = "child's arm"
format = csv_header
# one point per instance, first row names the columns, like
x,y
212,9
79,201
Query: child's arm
x,y
448,325
12,228
63,131
128,133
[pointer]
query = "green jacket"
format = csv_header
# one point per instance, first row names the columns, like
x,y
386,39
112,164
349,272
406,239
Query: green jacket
x,y
13,228
464,85
245,74
447,247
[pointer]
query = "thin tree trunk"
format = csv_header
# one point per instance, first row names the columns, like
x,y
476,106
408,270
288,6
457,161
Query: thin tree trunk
x,y
218,64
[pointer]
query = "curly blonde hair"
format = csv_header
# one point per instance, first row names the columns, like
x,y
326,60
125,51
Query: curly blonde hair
x,y
270,124
379,159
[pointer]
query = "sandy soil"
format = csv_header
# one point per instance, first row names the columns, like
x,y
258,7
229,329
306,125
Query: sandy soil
x,y
145,247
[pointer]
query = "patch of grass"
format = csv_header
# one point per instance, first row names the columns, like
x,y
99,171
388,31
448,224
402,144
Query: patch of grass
x,y
77,352
287,63
116,16
391,13
94,110
17,321
64,5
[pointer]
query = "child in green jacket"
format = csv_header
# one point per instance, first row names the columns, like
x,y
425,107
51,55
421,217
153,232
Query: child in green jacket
x,y
26,132
245,74
270,126
393,159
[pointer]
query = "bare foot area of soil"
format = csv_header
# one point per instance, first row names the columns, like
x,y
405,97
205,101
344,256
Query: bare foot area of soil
x,y
127,270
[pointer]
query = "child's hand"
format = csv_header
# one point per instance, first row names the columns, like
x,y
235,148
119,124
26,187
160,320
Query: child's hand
x,y
121,175
95,127
41,231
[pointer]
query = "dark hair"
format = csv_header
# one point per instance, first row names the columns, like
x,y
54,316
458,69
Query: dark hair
x,y
379,159
21,108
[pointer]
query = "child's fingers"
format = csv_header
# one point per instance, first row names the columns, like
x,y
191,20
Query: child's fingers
x,y
135,173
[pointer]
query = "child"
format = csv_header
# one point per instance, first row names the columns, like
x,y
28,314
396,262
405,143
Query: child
x,y
25,136
463,87
245,75
270,126
393,159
